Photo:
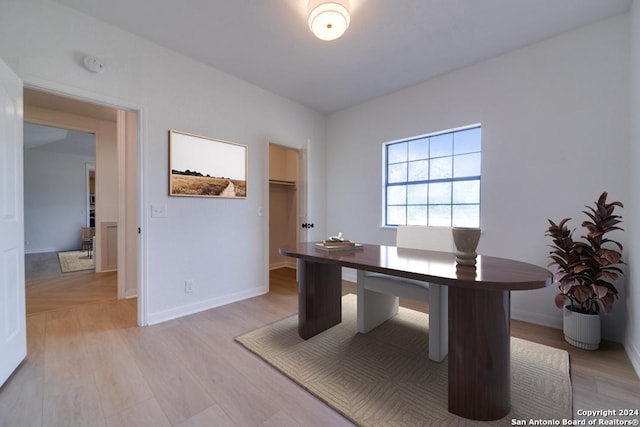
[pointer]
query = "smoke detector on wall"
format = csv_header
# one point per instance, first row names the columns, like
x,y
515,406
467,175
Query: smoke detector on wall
x,y
93,64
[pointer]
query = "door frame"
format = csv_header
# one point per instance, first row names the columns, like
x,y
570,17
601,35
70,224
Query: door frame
x,y
120,104
302,191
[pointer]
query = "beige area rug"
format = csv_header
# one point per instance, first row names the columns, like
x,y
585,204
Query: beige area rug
x,y
75,261
385,378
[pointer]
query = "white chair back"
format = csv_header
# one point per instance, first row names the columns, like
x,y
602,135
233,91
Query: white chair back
x,y
426,238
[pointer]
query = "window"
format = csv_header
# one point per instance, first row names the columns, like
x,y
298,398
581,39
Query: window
x,y
433,179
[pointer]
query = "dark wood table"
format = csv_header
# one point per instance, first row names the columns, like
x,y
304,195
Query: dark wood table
x,y
479,373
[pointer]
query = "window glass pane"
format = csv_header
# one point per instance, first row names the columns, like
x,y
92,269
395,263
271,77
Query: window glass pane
x,y
417,194
396,215
417,215
397,173
466,141
466,191
397,152
419,170
440,193
466,165
440,215
466,216
434,180
441,168
397,195
419,149
441,145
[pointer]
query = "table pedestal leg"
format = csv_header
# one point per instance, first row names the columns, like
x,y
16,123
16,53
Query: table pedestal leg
x,y
319,297
479,353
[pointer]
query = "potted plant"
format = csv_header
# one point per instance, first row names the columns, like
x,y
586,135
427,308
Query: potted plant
x,y
586,272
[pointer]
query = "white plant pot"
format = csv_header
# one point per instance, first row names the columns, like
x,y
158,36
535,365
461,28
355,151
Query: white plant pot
x,y
581,330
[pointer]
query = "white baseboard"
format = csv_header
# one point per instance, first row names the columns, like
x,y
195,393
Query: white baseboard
x,y
40,251
185,310
131,293
282,264
634,356
537,318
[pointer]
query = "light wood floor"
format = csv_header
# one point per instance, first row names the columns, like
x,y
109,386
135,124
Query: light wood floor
x,y
90,365
47,288
70,290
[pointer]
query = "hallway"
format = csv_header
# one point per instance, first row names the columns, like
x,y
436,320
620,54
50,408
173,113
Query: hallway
x,y
48,289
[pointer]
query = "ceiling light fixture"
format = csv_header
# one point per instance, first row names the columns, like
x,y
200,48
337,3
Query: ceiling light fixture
x,y
328,20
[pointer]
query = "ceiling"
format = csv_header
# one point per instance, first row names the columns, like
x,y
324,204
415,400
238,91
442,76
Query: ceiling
x,y
389,45
57,140
50,101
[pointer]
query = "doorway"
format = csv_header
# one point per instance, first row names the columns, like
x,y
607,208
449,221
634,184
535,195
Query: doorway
x,y
284,212
91,194
56,216
115,192
56,168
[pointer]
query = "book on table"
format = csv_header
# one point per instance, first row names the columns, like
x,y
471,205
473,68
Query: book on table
x,y
332,245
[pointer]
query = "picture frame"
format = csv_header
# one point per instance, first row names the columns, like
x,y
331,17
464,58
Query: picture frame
x,y
200,166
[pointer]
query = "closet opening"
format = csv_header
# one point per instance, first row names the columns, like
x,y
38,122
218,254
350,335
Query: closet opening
x,y
284,179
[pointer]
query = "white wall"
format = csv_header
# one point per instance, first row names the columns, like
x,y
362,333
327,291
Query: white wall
x,y
632,342
55,200
219,244
555,134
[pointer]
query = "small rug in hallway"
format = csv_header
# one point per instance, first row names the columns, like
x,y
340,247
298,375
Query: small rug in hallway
x,y
75,261
386,378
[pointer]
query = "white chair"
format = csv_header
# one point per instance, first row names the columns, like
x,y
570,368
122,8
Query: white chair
x,y
86,237
378,293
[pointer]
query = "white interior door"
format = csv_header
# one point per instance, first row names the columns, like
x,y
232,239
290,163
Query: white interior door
x,y
13,333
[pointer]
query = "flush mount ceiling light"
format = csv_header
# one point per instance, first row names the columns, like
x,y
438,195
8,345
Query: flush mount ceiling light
x,y
328,20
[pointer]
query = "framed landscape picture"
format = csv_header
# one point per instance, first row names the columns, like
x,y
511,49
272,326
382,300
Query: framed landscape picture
x,y
206,167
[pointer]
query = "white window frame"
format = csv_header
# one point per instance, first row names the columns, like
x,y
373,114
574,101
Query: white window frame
x,y
385,184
